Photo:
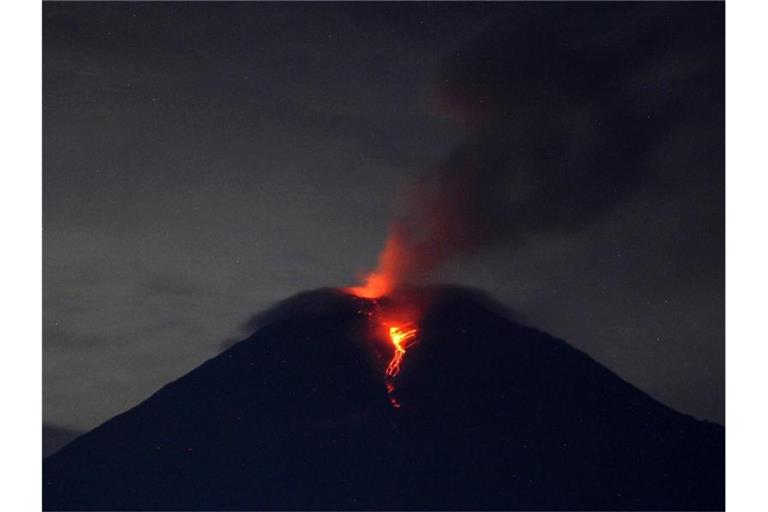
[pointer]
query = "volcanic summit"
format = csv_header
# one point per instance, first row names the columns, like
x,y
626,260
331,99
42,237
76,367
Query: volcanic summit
x,y
306,413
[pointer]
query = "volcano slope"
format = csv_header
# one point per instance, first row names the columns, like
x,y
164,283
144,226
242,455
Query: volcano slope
x,y
494,415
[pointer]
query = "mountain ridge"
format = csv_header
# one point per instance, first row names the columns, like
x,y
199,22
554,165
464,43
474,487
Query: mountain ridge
x,y
494,415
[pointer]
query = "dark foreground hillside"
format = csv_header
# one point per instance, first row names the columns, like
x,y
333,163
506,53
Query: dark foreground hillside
x,y
494,415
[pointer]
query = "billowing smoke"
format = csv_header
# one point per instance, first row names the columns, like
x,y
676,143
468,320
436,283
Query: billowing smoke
x,y
564,119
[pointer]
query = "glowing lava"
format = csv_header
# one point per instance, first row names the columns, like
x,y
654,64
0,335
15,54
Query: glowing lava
x,y
400,337
396,319
398,325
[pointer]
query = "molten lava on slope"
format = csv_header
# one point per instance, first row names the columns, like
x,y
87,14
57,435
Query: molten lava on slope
x,y
395,321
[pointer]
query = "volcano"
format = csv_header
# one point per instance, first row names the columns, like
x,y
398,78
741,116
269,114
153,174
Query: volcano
x,y
491,414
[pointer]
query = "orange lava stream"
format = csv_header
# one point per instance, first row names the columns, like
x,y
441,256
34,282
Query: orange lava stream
x,y
399,336
401,332
399,321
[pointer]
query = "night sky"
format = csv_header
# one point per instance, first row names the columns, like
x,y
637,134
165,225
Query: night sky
x,y
203,161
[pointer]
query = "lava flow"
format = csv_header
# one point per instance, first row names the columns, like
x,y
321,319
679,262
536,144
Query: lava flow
x,y
397,318
398,324
399,336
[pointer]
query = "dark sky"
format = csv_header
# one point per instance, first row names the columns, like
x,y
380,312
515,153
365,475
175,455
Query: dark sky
x,y
202,161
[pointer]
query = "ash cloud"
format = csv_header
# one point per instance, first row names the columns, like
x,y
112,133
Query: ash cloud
x,y
566,117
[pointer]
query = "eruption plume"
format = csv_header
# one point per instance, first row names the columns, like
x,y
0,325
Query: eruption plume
x,y
558,131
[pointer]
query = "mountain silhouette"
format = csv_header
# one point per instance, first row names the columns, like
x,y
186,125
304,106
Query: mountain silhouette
x,y
494,415
56,437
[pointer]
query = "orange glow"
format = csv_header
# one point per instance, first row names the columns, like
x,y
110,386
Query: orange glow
x,y
389,271
397,325
400,337
395,322
376,285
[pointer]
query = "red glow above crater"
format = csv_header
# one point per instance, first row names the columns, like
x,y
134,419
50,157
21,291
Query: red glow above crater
x,y
397,320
